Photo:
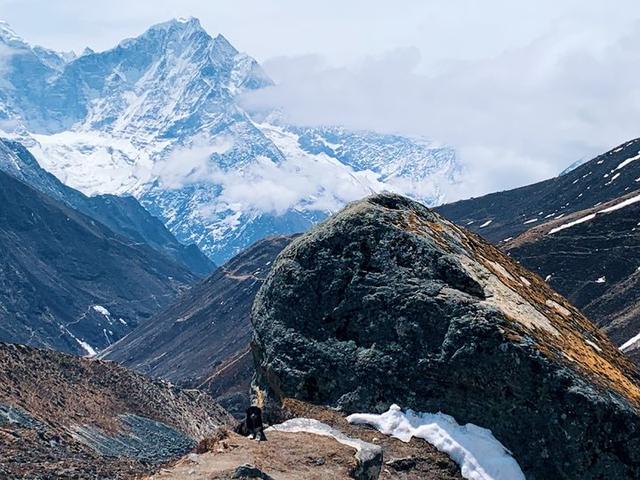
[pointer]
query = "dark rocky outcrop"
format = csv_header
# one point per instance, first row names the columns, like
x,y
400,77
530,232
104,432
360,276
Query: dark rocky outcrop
x,y
250,471
66,417
202,339
387,302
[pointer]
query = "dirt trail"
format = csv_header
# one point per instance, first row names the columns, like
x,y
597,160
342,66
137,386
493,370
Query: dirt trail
x,y
285,456
307,456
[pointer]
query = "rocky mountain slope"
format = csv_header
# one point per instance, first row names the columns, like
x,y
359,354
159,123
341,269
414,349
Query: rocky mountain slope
x,y
124,215
162,117
590,252
387,302
69,283
592,257
501,216
202,339
66,417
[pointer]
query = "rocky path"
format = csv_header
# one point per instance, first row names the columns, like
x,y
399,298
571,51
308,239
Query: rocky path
x,y
308,456
286,456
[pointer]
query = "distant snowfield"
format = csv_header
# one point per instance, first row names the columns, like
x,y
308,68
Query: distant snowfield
x,y
480,455
95,162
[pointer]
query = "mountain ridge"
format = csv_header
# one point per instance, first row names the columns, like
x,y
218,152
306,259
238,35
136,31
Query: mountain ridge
x,y
202,339
159,117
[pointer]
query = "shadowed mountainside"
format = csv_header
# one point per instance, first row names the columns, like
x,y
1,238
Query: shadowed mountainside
x,y
202,339
69,283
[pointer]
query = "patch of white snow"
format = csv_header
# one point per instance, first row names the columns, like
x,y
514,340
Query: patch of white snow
x,y
628,161
101,310
629,342
571,224
480,455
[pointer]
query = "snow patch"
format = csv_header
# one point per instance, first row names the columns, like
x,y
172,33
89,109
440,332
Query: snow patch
x,y
480,455
365,451
629,342
625,203
87,348
613,179
310,425
593,345
571,224
628,161
102,310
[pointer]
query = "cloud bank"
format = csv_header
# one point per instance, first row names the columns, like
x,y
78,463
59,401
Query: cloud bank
x,y
519,117
302,181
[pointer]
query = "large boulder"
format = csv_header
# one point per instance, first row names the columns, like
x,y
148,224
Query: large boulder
x,y
387,302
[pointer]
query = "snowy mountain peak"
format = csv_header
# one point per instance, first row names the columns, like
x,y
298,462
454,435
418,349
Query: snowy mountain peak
x,y
187,19
222,45
7,34
157,117
16,44
179,23
167,35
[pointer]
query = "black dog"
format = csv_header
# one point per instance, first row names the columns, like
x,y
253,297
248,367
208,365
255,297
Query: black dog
x,y
252,424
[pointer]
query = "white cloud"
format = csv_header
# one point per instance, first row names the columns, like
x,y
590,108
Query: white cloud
x,y
303,181
191,163
516,118
297,182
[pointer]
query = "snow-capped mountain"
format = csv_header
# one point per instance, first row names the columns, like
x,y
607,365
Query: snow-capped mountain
x,y
159,117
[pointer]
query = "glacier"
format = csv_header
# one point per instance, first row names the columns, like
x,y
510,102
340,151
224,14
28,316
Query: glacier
x,y
160,117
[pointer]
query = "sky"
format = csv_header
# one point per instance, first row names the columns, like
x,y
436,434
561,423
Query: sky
x,y
520,90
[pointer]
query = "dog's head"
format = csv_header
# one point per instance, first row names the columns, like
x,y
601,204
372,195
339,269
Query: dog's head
x,y
254,414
